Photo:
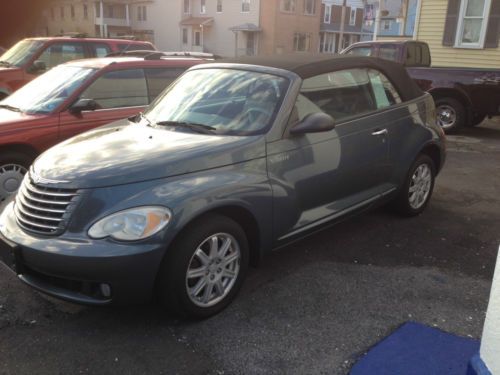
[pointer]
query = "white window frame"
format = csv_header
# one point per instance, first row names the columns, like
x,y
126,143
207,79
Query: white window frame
x,y
203,6
219,6
306,12
328,14
247,8
353,16
460,26
188,9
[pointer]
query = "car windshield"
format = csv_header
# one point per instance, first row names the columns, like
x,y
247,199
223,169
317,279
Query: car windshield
x,y
224,101
20,53
45,93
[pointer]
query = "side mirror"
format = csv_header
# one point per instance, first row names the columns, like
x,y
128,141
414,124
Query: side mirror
x,y
83,105
314,123
37,67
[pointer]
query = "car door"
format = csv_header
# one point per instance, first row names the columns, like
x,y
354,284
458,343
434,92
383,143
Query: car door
x,y
318,176
119,94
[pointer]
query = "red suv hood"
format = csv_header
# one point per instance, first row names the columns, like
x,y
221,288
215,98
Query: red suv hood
x,y
11,121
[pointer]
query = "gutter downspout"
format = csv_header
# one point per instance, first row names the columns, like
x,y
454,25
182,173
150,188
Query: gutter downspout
x,y
342,26
417,20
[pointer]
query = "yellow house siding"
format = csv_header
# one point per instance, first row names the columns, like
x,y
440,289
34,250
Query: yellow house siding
x,y
431,29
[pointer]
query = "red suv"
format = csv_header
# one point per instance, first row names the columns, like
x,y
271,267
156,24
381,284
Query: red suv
x,y
33,56
74,97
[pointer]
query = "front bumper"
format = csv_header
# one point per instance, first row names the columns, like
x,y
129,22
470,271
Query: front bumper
x,y
81,270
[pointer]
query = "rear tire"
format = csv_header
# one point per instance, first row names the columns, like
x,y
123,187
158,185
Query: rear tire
x,y
13,167
451,115
417,189
204,268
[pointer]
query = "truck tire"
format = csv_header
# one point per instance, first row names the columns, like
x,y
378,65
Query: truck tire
x,y
204,268
451,115
476,119
13,167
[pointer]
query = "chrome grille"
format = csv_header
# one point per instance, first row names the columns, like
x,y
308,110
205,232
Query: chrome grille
x,y
43,209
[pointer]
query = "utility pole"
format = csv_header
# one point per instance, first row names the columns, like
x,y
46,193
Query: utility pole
x,y
342,25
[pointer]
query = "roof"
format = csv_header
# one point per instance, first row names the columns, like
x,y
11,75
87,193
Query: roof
x,y
73,39
197,21
99,63
309,65
246,27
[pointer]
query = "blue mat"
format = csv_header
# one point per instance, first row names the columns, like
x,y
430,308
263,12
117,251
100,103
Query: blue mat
x,y
415,349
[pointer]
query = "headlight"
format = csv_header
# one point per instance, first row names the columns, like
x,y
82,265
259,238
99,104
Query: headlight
x,y
132,224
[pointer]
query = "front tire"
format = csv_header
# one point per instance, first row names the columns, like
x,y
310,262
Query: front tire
x,y
204,268
417,188
451,115
13,167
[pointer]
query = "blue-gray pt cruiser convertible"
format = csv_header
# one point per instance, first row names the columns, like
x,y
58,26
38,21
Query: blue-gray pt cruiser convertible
x,y
231,161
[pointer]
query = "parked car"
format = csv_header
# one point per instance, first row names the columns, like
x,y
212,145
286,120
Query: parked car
x,y
233,160
72,98
34,56
463,96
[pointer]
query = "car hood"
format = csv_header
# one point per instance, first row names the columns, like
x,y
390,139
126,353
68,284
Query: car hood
x,y
11,121
123,152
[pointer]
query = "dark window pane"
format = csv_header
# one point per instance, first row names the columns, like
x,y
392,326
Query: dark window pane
x,y
100,49
159,79
388,52
122,88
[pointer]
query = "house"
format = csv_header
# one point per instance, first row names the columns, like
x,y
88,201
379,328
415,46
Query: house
x,y
331,24
289,26
222,27
461,33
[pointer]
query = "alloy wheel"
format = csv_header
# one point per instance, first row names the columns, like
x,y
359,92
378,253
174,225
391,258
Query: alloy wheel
x,y
446,116
420,186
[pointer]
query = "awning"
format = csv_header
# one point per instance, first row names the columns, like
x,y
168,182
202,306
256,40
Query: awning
x,y
248,27
197,21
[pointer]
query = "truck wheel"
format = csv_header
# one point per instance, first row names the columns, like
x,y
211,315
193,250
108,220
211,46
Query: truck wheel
x,y
13,167
451,115
477,118
417,189
205,268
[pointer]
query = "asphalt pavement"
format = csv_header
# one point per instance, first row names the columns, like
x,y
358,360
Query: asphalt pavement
x,y
313,307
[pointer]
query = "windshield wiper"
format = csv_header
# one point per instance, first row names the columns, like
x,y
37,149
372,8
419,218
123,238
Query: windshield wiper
x,y
9,107
6,63
200,128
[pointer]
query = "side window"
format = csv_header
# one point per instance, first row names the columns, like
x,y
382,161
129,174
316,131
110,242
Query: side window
x,y
384,92
159,79
135,47
388,52
100,49
342,94
122,88
59,53
361,51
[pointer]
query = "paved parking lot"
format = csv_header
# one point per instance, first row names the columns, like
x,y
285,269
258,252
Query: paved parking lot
x,y
313,307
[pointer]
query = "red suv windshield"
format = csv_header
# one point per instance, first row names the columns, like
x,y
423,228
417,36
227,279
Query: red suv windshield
x,y
21,53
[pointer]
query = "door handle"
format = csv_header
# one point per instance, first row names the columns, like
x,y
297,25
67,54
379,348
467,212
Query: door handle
x,y
380,132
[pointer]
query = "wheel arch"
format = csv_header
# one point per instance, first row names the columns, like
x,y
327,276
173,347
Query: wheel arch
x,y
454,93
21,148
434,152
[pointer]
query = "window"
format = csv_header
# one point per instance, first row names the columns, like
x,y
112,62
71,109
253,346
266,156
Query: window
x,y
122,88
184,36
288,6
301,42
342,94
159,79
219,6
203,6
328,14
100,49
386,24
384,92
110,11
85,11
388,52
352,18
360,51
197,39
245,6
472,23
72,8
62,12
187,6
141,13
310,7
135,46
61,52
328,42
